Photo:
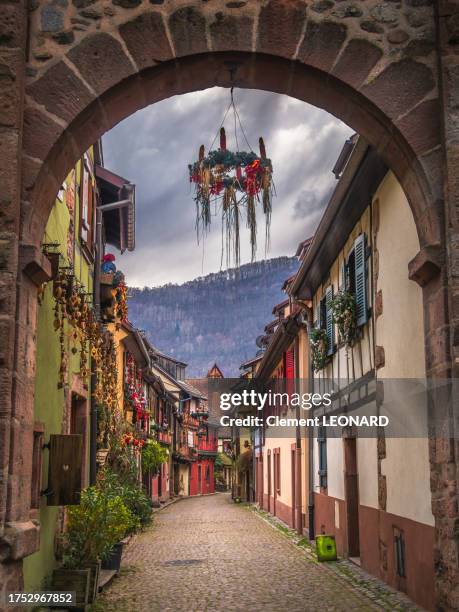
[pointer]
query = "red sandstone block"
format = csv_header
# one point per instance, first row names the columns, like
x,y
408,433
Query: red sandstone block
x,y
6,342
101,61
61,92
322,43
280,26
438,351
231,32
12,25
400,86
11,74
356,62
380,358
146,39
422,127
9,141
426,266
188,30
40,133
22,538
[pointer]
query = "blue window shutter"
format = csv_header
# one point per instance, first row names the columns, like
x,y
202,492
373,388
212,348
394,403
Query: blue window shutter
x,y
329,319
361,280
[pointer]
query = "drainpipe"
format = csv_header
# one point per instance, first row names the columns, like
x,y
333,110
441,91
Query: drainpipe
x,y
298,489
311,530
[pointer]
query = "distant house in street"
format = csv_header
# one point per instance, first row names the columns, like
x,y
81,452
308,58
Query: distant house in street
x,y
214,372
280,455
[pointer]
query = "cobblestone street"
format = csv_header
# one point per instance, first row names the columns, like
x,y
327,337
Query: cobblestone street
x,y
207,553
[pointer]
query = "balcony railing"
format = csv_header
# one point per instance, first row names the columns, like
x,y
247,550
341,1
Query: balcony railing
x,y
191,420
208,446
164,437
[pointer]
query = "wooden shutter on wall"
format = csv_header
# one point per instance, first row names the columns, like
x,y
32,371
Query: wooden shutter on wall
x,y
290,371
64,473
361,280
290,363
84,203
329,319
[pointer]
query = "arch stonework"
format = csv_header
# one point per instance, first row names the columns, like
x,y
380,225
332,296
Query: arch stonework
x,y
70,70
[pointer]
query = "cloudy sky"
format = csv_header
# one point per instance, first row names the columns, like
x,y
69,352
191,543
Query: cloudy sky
x,y
153,148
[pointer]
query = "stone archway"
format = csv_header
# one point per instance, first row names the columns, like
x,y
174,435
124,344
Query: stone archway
x,y
72,71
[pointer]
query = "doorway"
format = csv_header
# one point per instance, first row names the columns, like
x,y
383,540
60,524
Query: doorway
x,y
351,493
269,481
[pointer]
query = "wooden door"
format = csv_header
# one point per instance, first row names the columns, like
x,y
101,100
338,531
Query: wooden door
x,y
260,477
351,492
160,481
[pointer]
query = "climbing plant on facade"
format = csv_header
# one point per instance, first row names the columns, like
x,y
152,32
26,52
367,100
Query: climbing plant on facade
x,y
344,311
319,347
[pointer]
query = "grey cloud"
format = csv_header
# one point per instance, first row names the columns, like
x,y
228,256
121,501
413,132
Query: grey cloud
x,y
153,147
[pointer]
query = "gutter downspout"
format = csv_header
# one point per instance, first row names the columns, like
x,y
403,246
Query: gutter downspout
x,y
311,533
298,479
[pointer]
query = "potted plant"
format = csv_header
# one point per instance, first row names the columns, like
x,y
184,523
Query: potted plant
x,y
93,528
113,559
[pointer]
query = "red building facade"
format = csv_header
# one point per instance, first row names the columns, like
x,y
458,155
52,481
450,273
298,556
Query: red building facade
x,y
202,480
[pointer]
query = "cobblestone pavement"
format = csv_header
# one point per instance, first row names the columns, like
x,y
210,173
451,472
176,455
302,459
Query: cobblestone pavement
x,y
207,553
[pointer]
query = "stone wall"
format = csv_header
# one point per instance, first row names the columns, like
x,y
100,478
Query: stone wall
x,y
387,68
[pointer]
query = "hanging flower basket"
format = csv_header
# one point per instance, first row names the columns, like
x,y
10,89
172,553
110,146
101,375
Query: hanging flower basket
x,y
344,311
234,181
319,347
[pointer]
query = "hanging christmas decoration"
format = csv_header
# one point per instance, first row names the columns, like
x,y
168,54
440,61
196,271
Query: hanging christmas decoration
x,y
232,183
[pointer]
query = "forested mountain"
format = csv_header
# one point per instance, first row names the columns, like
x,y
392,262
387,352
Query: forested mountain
x,y
212,318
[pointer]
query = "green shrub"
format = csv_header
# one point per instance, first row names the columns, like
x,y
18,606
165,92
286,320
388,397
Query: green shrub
x,y
153,456
93,527
133,496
